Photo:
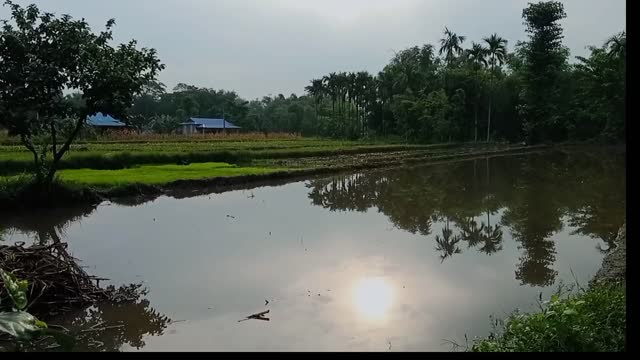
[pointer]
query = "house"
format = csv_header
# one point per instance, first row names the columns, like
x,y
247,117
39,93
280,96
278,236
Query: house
x,y
105,122
204,126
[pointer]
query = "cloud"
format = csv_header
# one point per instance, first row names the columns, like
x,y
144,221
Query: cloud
x,y
260,47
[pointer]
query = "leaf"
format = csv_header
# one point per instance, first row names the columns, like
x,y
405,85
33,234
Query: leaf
x,y
19,324
17,289
569,312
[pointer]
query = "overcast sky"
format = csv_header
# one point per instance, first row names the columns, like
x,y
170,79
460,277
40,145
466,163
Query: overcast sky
x,y
260,47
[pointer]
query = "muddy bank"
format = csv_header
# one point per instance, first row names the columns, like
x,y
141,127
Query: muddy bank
x,y
614,265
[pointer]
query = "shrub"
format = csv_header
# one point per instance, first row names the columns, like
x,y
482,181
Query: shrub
x,y
592,320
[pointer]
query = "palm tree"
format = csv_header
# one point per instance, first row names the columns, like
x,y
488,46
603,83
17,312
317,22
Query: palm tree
x,y
451,45
497,52
617,45
477,57
316,89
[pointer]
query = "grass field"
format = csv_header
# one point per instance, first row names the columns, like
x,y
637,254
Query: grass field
x,y
158,174
112,156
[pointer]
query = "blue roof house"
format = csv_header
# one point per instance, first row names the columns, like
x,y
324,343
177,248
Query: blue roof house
x,y
204,125
99,120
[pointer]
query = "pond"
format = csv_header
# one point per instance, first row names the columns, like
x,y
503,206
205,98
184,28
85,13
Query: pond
x,y
404,259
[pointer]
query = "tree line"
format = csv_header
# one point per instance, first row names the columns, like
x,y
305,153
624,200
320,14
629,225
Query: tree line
x,y
455,91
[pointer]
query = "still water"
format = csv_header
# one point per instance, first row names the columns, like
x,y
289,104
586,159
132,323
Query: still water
x,y
389,260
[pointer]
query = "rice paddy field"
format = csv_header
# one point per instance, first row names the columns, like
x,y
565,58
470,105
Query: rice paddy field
x,y
16,159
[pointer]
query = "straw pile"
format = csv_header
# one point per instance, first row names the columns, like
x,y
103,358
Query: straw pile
x,y
56,282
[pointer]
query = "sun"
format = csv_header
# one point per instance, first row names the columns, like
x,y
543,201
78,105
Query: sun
x,y
373,298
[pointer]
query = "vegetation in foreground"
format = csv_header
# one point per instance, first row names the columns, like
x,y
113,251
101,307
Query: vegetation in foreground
x,y
592,320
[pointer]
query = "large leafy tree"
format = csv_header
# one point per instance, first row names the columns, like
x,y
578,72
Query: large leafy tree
x,y
546,58
599,99
41,57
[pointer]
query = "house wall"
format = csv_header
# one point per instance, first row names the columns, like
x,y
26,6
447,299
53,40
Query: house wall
x,y
187,129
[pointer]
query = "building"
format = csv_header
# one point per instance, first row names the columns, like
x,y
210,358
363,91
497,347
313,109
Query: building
x,y
204,126
105,122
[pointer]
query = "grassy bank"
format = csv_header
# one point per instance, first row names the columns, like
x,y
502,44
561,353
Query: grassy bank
x,y
159,174
592,320
113,156
118,176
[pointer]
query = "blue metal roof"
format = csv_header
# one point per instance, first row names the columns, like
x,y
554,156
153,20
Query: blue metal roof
x,y
99,119
212,123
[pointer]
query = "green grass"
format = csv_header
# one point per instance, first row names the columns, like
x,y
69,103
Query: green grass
x,y
113,156
158,174
592,320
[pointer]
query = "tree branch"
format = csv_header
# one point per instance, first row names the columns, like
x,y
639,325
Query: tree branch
x,y
54,143
58,155
26,141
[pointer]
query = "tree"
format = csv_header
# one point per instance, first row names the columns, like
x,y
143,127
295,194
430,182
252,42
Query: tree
x,y
545,60
497,53
477,58
41,56
617,45
451,45
316,89
600,96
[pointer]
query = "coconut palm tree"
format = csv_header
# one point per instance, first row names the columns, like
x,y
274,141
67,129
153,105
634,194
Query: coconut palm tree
x,y
451,45
497,53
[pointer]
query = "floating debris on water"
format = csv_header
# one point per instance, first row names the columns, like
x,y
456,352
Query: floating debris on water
x,y
258,316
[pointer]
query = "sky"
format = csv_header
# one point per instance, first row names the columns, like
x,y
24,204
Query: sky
x,y
268,47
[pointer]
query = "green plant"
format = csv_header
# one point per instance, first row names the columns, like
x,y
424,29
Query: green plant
x,y
592,320
20,324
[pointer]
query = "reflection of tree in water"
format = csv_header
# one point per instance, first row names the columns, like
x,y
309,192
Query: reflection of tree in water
x,y
601,214
109,326
533,192
46,225
470,232
491,239
447,244
106,326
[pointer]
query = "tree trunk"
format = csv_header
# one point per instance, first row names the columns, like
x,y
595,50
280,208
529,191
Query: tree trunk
x,y
476,121
58,155
489,119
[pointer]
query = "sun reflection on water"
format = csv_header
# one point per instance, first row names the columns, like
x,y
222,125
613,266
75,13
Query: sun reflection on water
x,y
373,298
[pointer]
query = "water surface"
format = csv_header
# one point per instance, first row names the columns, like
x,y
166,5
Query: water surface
x,y
399,259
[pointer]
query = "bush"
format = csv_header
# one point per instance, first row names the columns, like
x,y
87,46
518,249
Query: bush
x,y
592,320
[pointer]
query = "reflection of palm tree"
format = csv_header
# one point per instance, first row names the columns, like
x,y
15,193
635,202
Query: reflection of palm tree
x,y
447,244
471,233
492,239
